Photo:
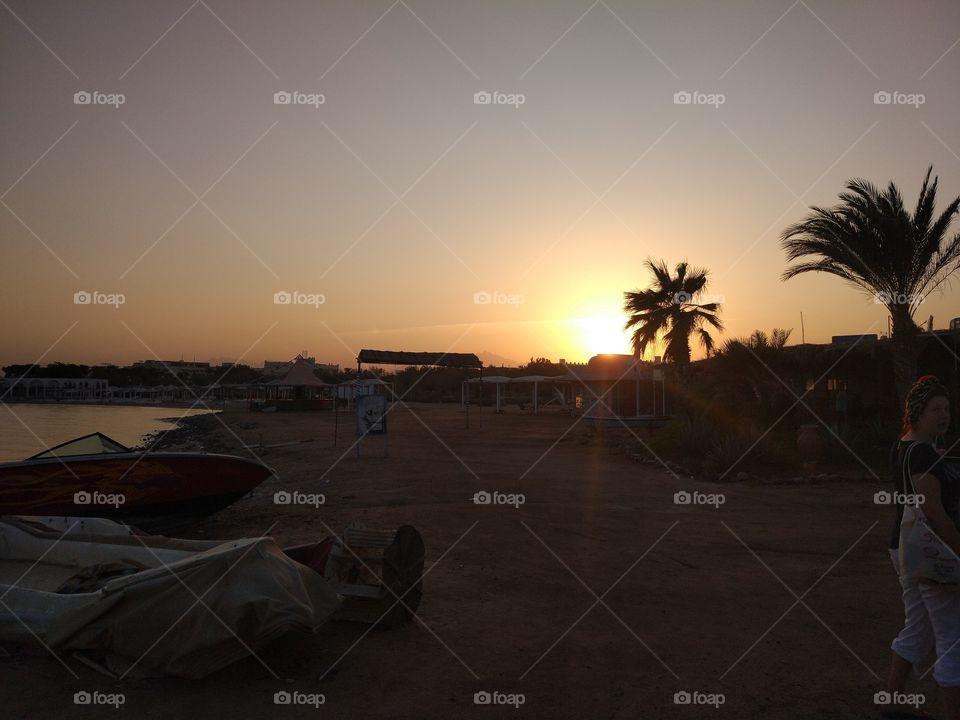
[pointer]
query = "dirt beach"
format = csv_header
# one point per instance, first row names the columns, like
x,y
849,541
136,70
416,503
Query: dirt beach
x,y
597,597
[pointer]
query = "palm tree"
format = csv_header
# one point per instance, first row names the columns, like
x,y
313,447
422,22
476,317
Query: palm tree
x,y
750,375
758,341
668,311
874,243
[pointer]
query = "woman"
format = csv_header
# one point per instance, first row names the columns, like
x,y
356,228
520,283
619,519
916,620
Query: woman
x,y
932,610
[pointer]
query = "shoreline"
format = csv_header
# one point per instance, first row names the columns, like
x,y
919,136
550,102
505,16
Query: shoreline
x,y
118,403
188,433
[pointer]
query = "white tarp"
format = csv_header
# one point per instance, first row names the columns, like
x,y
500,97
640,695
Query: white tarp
x,y
127,599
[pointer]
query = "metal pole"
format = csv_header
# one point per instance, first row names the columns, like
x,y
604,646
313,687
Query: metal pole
x,y
481,398
356,405
954,338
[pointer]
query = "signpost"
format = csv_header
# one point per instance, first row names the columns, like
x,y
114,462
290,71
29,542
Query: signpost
x,y
372,419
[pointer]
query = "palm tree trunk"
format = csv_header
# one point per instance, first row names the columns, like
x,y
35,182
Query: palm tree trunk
x,y
682,360
905,351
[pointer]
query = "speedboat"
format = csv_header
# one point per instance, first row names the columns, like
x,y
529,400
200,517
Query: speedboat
x,y
95,475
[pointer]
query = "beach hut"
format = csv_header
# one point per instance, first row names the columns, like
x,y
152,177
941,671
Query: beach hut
x,y
299,389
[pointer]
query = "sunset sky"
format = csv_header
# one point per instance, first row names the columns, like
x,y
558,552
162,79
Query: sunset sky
x,y
399,198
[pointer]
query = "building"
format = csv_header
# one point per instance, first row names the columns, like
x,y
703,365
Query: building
x,y
176,367
54,389
614,387
278,368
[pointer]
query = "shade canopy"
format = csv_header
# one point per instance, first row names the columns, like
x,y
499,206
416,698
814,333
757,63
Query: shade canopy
x,y
502,379
300,375
400,357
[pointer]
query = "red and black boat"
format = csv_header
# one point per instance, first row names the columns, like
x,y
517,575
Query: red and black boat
x,y
95,475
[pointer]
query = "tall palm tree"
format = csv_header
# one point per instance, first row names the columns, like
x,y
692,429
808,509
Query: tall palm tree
x,y
877,245
668,311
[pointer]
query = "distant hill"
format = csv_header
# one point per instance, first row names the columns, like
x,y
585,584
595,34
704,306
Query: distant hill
x,y
490,358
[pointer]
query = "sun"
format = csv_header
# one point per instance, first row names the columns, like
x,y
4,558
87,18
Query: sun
x,y
599,335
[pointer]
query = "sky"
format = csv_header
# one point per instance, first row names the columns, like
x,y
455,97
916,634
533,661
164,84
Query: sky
x,y
482,177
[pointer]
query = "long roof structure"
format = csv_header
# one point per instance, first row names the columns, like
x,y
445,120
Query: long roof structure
x,y
400,357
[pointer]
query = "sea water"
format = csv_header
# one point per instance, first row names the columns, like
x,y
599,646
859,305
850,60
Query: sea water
x,y
26,428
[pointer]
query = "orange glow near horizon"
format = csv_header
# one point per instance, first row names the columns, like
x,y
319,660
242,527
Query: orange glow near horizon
x,y
425,220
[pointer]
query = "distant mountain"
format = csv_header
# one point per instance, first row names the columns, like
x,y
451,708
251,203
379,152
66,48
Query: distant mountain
x,y
488,358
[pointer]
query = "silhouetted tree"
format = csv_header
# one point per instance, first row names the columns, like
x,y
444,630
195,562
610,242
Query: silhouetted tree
x,y
668,311
873,242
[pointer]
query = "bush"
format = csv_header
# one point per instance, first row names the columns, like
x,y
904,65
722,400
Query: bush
x,y
870,441
701,444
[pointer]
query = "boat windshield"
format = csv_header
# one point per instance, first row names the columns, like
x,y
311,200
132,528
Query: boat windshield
x,y
93,444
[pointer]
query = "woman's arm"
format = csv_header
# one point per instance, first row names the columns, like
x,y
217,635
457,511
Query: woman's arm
x,y
929,486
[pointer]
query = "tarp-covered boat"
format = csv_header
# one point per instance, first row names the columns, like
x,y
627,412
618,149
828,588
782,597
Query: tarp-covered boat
x,y
132,603
92,586
95,475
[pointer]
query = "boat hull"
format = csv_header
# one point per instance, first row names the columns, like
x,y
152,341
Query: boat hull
x,y
134,487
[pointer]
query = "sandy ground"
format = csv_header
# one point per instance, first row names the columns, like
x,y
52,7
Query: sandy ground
x,y
783,599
